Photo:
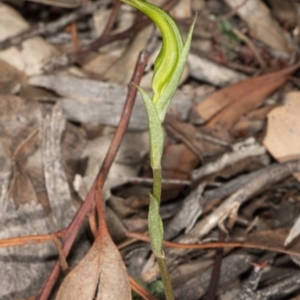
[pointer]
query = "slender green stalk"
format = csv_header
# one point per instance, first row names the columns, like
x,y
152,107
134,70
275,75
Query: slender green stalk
x,y
157,176
160,257
165,277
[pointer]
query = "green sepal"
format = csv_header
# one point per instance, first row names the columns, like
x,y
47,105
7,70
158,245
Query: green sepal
x,y
172,45
169,89
155,225
156,133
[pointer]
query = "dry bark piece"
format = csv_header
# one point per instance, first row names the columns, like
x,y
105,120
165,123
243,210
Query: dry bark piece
x,y
232,266
55,176
101,274
83,97
265,177
186,217
241,151
208,71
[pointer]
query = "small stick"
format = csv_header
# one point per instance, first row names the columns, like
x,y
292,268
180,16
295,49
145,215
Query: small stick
x,y
112,19
213,285
251,45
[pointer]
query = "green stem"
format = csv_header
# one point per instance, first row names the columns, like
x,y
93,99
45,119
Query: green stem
x,y
157,184
160,257
165,277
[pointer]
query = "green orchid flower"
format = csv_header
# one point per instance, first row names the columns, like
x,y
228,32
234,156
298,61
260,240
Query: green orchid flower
x,y
170,62
168,69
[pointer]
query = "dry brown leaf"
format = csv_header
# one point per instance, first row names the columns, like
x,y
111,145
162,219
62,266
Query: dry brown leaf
x,y
285,11
282,139
21,189
190,136
273,240
177,163
100,275
259,19
10,78
224,107
259,86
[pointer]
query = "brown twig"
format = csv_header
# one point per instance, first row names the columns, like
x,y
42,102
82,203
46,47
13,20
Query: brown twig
x,y
213,285
140,290
112,18
232,12
251,45
89,203
30,239
214,245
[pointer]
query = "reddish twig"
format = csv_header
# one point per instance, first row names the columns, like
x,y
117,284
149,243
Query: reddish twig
x,y
140,290
30,239
216,245
112,19
213,285
89,203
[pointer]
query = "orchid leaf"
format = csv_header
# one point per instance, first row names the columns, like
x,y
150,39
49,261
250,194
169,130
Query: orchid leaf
x,y
156,133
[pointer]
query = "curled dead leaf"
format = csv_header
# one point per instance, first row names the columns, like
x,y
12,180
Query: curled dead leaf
x,y
100,275
223,108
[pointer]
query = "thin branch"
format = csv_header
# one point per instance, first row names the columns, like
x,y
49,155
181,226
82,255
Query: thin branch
x,y
112,18
213,285
215,245
30,239
251,45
